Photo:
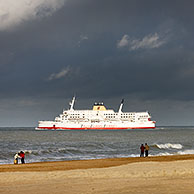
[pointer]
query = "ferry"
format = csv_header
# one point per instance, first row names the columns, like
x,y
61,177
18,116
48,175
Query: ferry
x,y
98,118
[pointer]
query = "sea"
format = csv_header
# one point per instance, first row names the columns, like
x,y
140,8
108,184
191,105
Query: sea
x,y
66,145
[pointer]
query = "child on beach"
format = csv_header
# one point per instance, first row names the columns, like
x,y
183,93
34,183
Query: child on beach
x,y
17,155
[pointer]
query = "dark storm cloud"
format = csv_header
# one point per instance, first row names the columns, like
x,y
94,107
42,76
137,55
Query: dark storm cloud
x,y
101,50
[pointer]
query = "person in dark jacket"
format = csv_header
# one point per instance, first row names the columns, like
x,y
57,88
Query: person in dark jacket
x,y
142,150
22,156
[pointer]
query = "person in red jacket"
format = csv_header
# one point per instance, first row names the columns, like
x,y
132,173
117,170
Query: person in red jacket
x,y
142,150
22,156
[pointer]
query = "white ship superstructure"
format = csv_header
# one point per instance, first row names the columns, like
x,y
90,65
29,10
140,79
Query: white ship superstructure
x,y
98,118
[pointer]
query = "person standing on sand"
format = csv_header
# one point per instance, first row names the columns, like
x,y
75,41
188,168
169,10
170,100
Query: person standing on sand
x,y
22,155
17,155
142,150
146,149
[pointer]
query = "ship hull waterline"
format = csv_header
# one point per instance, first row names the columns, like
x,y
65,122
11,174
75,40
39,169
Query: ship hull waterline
x,y
89,128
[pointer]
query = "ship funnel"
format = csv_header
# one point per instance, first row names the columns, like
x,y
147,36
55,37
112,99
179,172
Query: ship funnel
x,y
72,103
121,106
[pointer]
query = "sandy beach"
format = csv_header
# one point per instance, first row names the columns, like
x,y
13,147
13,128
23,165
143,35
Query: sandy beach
x,y
162,174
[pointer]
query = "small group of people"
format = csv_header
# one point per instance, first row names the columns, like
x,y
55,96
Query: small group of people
x,y
20,155
144,149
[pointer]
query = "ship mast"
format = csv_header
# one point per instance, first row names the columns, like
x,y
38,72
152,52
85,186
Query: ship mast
x,y
121,106
72,103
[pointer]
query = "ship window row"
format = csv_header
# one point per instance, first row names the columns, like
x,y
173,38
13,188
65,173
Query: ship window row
x,y
77,114
127,117
127,114
143,116
111,114
76,117
123,114
110,117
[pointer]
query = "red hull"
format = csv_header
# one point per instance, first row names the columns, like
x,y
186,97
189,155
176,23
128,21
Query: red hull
x,y
105,128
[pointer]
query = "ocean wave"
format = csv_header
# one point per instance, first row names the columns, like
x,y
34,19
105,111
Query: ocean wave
x,y
186,152
53,151
168,146
163,154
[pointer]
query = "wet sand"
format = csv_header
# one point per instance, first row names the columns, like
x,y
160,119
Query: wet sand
x,y
162,174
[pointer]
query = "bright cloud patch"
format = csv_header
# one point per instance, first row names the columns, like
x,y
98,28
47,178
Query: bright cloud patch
x,y
148,42
14,12
123,42
59,75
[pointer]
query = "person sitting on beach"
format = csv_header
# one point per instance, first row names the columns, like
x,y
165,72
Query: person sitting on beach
x,y
146,149
142,150
17,155
22,156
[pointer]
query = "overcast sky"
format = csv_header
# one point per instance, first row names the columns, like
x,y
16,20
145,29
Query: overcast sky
x,y
99,50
